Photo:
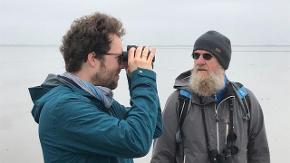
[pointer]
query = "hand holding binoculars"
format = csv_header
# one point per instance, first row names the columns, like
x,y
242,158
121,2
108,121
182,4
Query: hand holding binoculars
x,y
124,56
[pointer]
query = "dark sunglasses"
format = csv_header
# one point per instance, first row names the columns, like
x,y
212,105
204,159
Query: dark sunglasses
x,y
205,56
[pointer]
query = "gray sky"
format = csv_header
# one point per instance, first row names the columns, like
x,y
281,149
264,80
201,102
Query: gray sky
x,y
150,22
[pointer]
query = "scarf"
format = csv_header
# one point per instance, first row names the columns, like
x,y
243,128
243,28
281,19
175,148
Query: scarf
x,y
105,95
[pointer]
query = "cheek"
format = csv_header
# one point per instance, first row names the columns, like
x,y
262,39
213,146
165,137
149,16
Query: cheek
x,y
194,63
212,65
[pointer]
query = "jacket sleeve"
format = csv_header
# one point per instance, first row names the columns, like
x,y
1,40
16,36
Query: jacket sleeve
x,y
89,130
159,125
258,150
164,148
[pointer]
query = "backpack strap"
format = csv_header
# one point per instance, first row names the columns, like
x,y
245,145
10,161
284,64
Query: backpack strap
x,y
184,98
243,98
183,102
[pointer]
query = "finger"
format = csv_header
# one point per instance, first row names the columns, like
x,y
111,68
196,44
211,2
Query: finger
x,y
138,52
151,54
145,52
131,54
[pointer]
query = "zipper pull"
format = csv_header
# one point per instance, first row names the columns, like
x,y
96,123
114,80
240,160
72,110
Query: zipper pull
x,y
217,118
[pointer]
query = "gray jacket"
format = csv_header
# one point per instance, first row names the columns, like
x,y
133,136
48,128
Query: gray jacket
x,y
253,146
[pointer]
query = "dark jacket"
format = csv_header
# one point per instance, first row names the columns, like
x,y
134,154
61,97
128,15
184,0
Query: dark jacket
x,y
253,146
74,126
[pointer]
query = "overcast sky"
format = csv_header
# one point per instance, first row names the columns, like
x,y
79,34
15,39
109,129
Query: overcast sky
x,y
151,22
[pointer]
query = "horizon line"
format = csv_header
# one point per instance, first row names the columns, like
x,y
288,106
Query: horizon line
x,y
156,45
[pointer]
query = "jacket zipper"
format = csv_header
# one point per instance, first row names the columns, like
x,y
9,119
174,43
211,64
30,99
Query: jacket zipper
x,y
217,128
217,122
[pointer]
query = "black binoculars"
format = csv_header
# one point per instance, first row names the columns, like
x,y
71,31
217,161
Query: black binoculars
x,y
224,157
125,53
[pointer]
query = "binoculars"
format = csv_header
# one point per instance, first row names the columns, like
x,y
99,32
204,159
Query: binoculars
x,y
124,56
225,156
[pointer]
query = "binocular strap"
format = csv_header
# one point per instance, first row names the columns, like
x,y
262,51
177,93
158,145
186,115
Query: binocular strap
x,y
230,148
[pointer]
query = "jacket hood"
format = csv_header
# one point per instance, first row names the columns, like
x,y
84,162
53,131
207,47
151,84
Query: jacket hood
x,y
38,92
182,80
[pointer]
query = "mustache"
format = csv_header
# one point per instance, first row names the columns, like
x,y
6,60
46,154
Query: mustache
x,y
199,68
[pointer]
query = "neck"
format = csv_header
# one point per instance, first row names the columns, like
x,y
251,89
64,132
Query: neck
x,y
83,75
221,92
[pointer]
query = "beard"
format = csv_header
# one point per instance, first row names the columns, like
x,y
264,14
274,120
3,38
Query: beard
x,y
112,85
207,85
105,78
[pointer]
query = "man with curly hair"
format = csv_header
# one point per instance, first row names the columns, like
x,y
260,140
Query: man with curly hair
x,y
79,120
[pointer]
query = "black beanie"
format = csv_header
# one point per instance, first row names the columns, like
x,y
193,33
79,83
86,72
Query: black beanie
x,y
217,44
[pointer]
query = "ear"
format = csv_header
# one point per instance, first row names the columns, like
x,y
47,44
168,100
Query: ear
x,y
92,60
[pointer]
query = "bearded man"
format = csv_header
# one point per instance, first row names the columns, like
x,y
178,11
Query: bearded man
x,y
209,119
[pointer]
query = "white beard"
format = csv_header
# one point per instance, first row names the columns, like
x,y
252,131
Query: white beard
x,y
207,86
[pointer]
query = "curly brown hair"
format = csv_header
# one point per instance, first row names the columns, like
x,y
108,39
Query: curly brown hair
x,y
88,34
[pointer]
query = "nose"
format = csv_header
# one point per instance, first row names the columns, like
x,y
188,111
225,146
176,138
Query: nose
x,y
123,65
200,61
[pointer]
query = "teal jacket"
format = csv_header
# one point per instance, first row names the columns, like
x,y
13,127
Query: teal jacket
x,y
75,127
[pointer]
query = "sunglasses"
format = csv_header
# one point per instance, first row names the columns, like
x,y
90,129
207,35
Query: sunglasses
x,y
205,56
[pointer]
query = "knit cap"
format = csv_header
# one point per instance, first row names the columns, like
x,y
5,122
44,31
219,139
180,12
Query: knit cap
x,y
217,44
